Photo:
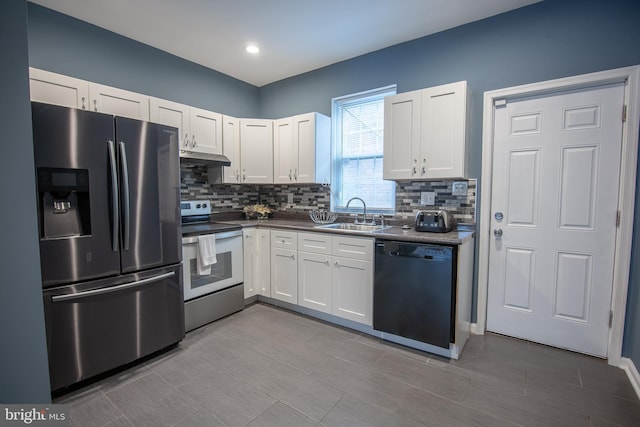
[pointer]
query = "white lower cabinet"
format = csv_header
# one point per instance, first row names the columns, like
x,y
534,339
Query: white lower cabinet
x,y
284,275
314,281
335,275
352,289
257,262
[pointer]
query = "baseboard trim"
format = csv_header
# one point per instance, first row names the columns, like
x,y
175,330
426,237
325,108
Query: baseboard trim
x,y
632,372
476,330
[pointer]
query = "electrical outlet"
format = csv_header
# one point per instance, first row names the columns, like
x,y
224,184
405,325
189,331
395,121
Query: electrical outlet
x,y
290,198
459,188
427,198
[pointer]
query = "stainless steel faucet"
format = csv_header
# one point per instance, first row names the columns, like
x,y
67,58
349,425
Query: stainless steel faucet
x,y
364,208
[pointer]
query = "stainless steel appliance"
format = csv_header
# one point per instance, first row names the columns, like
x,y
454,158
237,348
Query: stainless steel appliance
x,y
433,221
109,224
217,291
413,291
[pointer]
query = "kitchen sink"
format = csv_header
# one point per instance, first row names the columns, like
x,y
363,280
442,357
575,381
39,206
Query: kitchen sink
x,y
348,226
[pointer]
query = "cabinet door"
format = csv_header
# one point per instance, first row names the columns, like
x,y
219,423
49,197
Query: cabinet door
x,y
256,151
443,135
314,281
250,258
284,275
53,88
231,149
401,149
352,289
304,154
284,152
171,114
206,131
262,272
111,100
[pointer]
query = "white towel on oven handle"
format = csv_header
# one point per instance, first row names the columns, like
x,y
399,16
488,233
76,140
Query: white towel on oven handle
x,y
206,253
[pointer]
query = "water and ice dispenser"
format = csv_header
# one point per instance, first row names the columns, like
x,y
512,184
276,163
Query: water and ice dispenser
x,y
63,202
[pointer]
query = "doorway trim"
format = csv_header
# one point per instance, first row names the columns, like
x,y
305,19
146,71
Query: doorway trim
x,y
626,194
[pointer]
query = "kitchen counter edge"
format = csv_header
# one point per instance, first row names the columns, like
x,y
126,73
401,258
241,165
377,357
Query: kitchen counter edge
x,y
394,233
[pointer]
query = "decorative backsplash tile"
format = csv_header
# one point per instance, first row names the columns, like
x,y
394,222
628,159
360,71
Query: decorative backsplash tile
x,y
233,197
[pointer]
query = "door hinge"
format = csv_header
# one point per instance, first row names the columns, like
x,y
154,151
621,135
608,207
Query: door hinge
x,y
618,219
610,318
624,113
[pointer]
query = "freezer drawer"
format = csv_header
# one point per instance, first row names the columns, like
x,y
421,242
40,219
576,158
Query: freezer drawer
x,y
96,326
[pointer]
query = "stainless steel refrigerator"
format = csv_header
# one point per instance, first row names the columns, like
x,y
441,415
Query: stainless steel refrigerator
x,y
110,242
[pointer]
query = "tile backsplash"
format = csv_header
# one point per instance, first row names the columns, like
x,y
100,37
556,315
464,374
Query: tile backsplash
x,y
233,197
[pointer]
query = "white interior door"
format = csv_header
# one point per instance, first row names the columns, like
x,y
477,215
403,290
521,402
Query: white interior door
x,y
555,195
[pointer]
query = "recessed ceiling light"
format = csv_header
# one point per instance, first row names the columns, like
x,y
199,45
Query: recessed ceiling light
x,y
252,48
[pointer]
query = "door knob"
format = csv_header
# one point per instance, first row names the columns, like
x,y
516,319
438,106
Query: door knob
x,y
497,232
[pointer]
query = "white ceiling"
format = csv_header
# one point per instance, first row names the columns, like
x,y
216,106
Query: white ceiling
x,y
295,36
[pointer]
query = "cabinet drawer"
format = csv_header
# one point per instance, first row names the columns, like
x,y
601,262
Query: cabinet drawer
x,y
318,243
284,239
353,247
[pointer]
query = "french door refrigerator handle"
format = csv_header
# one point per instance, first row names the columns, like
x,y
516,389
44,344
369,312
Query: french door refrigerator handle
x,y
125,194
100,291
114,196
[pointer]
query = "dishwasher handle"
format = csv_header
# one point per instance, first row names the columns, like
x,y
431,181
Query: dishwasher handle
x,y
413,250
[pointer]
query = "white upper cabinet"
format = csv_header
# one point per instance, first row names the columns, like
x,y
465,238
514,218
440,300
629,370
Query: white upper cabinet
x,y
283,151
231,149
425,133
119,102
57,89
256,151
200,130
302,149
171,114
206,131
401,135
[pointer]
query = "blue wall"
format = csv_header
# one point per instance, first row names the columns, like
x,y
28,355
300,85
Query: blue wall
x,y
551,39
68,46
24,370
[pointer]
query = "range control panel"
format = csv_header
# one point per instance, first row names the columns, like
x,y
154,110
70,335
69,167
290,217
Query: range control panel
x,y
195,207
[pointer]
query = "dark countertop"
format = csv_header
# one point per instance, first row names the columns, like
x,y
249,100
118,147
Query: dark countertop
x,y
394,233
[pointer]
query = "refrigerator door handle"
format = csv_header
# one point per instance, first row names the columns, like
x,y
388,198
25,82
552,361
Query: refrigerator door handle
x,y
114,196
125,195
93,292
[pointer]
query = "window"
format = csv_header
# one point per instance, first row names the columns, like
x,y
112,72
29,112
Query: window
x,y
358,126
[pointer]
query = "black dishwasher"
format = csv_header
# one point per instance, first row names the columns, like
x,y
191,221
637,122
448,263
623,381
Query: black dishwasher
x,y
413,291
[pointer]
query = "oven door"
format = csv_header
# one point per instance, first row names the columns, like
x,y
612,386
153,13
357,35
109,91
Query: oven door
x,y
226,272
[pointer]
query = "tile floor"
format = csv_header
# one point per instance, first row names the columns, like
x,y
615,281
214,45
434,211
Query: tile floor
x,y
268,367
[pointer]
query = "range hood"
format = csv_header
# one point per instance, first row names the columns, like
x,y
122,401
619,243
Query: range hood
x,y
206,159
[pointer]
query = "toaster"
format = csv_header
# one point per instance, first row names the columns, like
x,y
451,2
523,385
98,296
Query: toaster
x,y
433,221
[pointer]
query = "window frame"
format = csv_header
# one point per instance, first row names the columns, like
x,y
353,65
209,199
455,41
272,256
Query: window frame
x,y
337,107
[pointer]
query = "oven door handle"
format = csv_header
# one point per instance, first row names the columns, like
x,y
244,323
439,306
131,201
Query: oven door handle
x,y
219,236
110,289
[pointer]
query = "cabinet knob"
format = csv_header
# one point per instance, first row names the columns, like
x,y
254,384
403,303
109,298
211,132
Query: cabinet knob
x,y
295,174
327,262
193,141
290,177
186,140
95,105
84,107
